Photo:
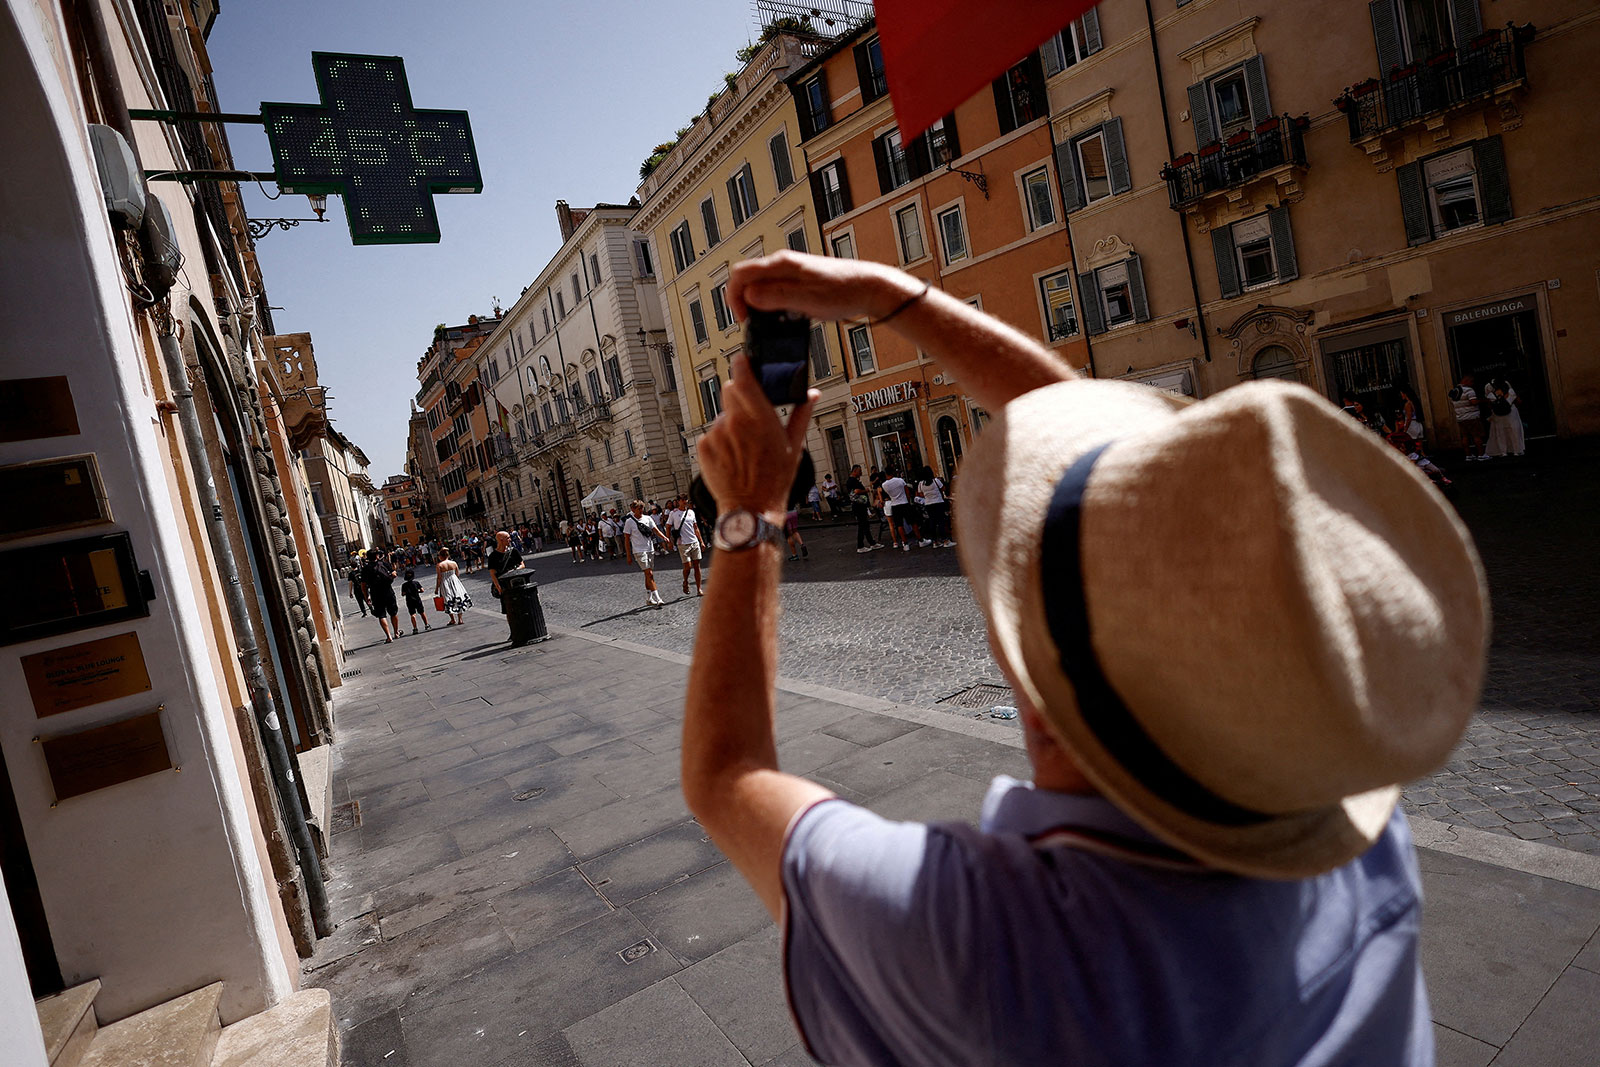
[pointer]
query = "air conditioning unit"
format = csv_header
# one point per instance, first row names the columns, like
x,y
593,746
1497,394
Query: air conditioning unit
x,y
162,260
120,179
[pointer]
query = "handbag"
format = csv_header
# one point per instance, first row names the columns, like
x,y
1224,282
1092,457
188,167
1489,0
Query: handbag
x,y
438,603
1501,406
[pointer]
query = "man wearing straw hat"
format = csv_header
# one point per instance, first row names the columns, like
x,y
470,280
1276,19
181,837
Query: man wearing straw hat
x,y
1234,628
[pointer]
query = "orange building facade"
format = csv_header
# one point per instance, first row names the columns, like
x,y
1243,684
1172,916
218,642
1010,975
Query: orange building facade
x,y
973,206
400,511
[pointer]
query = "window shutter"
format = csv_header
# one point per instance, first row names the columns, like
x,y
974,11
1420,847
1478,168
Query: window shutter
x,y
1091,31
1033,69
1141,306
735,205
880,158
708,214
1089,293
1067,175
1494,185
819,200
1386,35
1116,157
1050,55
1414,204
1283,244
950,135
1468,22
1255,84
864,74
827,101
1200,115
1002,105
750,187
919,157
844,187
782,172
803,107
1227,269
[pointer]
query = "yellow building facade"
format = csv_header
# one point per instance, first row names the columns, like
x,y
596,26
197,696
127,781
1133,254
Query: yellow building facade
x,y
734,187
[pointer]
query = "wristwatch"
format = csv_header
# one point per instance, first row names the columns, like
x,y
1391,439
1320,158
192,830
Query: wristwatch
x,y
741,529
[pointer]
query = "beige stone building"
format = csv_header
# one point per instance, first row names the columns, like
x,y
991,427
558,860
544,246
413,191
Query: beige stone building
x,y
734,186
1373,199
578,378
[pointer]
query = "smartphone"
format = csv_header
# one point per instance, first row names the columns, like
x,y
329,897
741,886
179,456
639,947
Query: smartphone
x,y
779,347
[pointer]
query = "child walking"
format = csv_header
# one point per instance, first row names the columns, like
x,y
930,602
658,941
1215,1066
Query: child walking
x,y
412,591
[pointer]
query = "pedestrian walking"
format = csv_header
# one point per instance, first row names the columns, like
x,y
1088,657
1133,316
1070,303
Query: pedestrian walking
x,y
575,542
1467,408
897,511
448,585
502,561
683,527
830,493
1197,873
358,588
412,591
791,535
814,498
379,579
1506,433
930,494
645,539
861,508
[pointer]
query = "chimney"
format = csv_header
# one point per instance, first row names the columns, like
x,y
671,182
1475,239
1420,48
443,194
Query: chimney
x,y
564,219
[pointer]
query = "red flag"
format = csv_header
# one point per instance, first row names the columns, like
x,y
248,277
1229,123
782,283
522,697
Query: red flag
x,y
936,53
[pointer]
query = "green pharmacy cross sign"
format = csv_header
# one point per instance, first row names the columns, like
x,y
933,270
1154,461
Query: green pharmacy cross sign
x,y
366,142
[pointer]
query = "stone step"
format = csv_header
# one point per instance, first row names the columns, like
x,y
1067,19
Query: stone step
x,y
68,1023
179,1033
300,1032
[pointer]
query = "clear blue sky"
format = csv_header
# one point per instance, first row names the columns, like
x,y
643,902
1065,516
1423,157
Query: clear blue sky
x,y
565,101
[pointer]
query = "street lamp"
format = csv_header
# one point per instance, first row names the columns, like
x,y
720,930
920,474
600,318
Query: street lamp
x,y
259,228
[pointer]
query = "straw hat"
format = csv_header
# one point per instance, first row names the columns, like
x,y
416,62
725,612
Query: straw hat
x,y
1247,618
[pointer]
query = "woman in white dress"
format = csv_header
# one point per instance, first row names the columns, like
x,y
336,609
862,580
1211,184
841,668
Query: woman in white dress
x,y
1505,420
448,584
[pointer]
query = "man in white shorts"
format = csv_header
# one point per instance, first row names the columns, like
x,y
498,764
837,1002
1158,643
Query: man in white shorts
x,y
644,538
685,529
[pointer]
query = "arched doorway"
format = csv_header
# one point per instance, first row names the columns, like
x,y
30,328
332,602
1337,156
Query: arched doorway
x,y
948,434
1275,361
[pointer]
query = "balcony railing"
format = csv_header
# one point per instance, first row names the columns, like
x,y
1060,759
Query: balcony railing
x,y
596,412
1060,331
1222,165
1491,62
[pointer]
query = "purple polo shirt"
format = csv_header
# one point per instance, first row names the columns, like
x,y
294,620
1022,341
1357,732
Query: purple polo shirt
x,y
1024,943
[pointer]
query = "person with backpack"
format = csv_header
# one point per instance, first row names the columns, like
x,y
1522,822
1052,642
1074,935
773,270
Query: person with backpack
x,y
683,529
644,539
379,579
861,508
931,495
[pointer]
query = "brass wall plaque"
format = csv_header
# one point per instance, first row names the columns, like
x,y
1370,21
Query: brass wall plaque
x,y
70,585
52,494
31,408
106,755
64,679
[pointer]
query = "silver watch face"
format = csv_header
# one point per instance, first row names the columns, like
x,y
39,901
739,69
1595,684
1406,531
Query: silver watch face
x,y
738,527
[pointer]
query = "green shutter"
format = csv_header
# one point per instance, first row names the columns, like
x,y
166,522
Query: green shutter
x,y
1116,156
1255,86
1468,22
1414,204
1227,269
1091,31
1094,320
750,185
1386,35
1200,115
1067,175
1141,305
735,205
1283,244
1494,184
864,74
708,215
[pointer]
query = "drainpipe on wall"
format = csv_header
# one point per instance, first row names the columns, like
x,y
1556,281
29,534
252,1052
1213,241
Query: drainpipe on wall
x,y
1183,225
267,719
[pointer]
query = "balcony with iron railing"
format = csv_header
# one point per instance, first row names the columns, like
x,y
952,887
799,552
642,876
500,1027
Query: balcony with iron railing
x,y
593,413
1490,65
1275,150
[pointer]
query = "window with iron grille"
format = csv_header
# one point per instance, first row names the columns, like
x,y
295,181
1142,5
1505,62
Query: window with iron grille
x,y
1060,317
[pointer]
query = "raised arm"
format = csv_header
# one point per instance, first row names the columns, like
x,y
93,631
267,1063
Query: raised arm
x,y
994,362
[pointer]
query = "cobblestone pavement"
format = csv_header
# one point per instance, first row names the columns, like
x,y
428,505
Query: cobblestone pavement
x,y
903,626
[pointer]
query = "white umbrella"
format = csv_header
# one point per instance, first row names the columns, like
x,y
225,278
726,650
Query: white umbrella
x,y
600,496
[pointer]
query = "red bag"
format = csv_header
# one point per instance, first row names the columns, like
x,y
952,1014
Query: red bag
x,y
438,603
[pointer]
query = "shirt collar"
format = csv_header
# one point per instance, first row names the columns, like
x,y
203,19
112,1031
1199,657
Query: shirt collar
x,y
1017,807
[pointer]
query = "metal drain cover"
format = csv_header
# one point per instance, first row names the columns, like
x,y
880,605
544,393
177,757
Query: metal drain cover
x,y
637,951
980,695
346,816
351,673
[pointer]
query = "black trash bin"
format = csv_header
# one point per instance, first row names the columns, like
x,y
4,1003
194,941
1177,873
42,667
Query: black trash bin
x,y
520,595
